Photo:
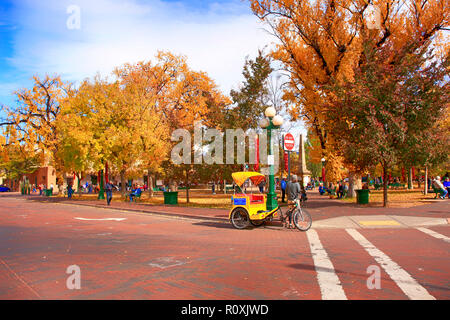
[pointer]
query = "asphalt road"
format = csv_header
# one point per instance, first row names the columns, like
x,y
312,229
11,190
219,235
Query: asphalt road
x,y
125,255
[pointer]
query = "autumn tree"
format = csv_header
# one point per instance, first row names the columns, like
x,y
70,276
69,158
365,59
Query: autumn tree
x,y
16,158
33,120
323,41
252,98
390,111
102,124
128,123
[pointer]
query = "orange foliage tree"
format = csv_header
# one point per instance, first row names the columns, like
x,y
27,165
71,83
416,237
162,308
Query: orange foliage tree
x,y
322,41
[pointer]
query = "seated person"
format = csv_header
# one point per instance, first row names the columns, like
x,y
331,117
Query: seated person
x,y
134,193
330,189
447,186
438,185
321,190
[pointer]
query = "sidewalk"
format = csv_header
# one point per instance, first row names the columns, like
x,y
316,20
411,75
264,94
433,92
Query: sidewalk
x,y
324,211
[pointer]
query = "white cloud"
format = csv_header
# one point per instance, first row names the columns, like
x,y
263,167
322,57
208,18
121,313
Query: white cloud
x,y
215,40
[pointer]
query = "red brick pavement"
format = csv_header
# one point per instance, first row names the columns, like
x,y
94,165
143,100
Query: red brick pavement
x,y
156,257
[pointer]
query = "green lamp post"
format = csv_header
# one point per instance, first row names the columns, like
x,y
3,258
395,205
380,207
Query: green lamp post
x,y
101,193
273,121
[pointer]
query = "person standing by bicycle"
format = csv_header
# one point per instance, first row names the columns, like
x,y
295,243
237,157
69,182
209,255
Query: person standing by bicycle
x,y
283,186
293,192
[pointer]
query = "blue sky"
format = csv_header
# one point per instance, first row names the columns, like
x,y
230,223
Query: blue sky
x,y
214,35
35,40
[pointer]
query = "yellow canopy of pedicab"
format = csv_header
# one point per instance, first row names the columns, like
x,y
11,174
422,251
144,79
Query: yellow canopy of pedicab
x,y
240,177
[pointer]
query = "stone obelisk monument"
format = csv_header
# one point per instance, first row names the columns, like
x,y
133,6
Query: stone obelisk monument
x,y
304,174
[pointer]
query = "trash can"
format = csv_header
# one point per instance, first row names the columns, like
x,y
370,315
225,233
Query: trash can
x,y
49,192
170,197
362,196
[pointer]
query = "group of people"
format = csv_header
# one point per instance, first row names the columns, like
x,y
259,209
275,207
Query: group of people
x,y
341,189
41,188
136,191
443,187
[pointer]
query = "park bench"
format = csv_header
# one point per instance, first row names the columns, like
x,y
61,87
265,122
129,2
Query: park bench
x,y
344,193
397,185
137,195
332,192
437,191
229,187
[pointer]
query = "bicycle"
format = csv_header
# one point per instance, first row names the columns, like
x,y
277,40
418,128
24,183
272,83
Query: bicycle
x,y
302,219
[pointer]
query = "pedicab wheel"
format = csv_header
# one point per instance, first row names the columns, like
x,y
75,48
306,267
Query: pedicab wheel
x,y
302,219
239,218
257,223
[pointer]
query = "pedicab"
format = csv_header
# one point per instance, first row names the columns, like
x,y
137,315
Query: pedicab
x,y
252,208
249,208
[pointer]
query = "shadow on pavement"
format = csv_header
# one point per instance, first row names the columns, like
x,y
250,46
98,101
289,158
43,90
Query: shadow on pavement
x,y
220,225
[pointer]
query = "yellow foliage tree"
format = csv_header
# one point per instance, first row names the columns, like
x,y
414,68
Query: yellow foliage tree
x,y
31,125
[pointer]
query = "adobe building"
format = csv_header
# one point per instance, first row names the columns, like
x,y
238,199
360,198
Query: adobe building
x,y
45,176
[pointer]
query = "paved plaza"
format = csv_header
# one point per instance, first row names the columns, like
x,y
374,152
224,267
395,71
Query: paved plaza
x,y
184,253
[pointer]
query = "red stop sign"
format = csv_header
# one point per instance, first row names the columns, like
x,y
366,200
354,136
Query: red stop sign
x,y
289,142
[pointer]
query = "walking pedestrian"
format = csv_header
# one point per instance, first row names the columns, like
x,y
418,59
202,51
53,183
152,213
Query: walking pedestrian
x,y
69,191
109,190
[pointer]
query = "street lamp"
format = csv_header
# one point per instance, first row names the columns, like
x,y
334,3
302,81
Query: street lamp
x,y
273,121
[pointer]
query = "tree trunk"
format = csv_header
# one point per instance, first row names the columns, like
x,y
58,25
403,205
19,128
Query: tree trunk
x,y
354,183
351,186
418,179
123,188
410,183
150,186
385,185
187,186
79,183
425,183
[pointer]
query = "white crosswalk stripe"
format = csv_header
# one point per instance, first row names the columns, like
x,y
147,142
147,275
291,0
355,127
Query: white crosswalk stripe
x,y
402,278
329,283
434,234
